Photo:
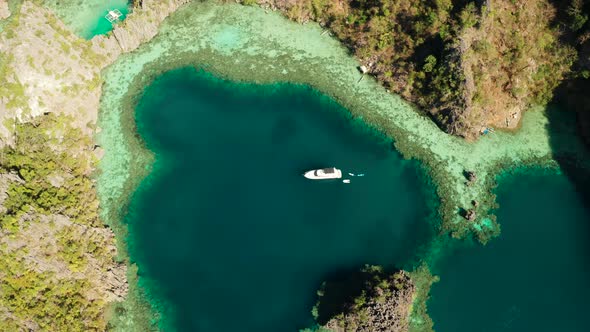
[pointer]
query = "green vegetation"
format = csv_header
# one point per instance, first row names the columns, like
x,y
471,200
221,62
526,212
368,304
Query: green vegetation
x,y
470,66
577,16
75,252
383,34
37,299
46,149
515,58
65,47
52,165
10,87
358,302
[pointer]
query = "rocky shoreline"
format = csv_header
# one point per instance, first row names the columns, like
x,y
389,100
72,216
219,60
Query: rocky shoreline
x,y
375,301
47,69
4,10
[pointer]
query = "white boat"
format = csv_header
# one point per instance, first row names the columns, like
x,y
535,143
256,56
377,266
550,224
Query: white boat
x,y
113,15
324,173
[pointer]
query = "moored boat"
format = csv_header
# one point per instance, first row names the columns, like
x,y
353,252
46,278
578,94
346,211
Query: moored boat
x,y
324,173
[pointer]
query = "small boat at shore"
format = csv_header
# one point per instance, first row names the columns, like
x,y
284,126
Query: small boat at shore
x,y
114,16
323,173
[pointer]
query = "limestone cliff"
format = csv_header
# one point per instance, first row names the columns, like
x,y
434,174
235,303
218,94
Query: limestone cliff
x,y
4,11
46,68
510,59
57,258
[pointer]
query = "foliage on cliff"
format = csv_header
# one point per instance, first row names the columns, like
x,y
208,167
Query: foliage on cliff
x,y
33,300
55,253
574,18
511,58
366,300
54,177
470,64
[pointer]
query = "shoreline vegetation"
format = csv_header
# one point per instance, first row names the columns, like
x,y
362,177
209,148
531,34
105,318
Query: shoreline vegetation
x,y
471,65
248,44
63,269
368,300
66,277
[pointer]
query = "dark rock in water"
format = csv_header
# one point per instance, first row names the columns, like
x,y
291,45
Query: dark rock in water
x,y
471,177
470,215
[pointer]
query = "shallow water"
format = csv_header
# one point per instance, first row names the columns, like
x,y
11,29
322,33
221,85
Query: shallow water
x,y
534,277
229,234
87,18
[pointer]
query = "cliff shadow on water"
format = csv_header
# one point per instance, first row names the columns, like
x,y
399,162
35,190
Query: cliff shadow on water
x,y
569,110
569,124
340,289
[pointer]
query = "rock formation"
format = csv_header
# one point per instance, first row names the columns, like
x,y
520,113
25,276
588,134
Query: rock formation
x,y
384,302
4,10
470,215
47,72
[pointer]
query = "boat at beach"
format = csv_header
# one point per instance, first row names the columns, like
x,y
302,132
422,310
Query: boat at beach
x,y
323,173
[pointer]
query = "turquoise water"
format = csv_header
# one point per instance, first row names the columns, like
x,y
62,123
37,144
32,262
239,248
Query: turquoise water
x,y
101,25
535,276
228,233
87,18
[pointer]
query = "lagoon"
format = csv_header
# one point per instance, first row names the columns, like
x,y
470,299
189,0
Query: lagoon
x,y
281,50
230,235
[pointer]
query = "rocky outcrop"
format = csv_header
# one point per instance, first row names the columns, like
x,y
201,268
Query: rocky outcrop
x,y
46,70
5,180
384,302
49,69
108,280
141,26
470,215
4,10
